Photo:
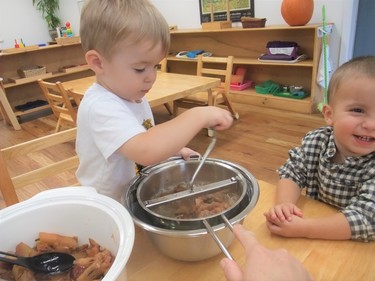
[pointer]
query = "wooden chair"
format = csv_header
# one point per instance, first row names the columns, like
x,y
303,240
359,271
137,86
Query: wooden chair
x,y
218,95
75,96
8,184
60,102
164,68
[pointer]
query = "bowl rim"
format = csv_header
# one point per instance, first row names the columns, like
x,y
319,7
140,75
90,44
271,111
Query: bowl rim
x,y
240,178
85,196
196,232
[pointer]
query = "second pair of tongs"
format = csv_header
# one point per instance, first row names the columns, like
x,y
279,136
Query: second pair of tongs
x,y
203,159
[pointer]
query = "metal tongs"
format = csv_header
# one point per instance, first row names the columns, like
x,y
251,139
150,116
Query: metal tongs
x,y
190,186
187,193
203,159
192,190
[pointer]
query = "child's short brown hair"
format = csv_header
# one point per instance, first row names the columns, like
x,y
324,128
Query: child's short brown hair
x,y
357,67
105,23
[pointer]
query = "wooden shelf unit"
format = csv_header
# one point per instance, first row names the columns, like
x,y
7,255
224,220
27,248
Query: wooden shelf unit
x,y
54,57
246,45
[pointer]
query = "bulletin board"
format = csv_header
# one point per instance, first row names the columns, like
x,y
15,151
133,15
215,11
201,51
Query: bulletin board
x,y
238,9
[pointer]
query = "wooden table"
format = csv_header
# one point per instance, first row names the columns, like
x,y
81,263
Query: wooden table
x,y
325,260
167,87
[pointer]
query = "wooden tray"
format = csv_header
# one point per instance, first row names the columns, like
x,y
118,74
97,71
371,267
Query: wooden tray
x,y
68,40
74,68
19,80
212,25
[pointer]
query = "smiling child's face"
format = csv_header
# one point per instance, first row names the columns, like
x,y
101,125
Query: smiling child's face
x,y
351,113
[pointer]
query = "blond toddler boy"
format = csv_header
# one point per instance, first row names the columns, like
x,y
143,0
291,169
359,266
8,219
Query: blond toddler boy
x,y
124,41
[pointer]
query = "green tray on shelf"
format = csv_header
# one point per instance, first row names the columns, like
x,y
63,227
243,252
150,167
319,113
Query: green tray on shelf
x,y
295,95
268,87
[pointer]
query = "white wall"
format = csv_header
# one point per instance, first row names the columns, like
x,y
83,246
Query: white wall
x,y
19,19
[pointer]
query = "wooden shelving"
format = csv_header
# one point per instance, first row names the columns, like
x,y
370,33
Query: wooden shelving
x,y
32,110
246,45
20,91
46,76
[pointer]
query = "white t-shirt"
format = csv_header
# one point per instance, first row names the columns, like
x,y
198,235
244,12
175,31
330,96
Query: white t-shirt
x,y
105,123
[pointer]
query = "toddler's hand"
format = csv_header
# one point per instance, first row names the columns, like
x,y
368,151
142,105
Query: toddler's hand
x,y
293,228
282,212
218,119
187,153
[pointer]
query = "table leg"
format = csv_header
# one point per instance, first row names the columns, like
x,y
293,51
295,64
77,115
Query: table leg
x,y
7,111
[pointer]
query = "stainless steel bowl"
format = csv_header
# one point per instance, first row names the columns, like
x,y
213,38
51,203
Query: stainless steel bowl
x,y
196,243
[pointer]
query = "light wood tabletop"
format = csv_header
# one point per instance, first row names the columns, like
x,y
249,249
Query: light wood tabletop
x,y
325,260
167,87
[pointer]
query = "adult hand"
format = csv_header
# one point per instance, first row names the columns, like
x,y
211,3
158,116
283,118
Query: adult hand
x,y
262,263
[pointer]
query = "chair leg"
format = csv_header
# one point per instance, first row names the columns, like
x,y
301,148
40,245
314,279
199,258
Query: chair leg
x,y
58,125
6,184
212,100
230,106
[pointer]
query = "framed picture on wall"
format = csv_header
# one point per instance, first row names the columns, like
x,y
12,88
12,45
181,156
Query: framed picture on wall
x,y
237,8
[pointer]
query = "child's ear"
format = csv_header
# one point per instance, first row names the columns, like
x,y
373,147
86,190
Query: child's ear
x,y
94,61
328,114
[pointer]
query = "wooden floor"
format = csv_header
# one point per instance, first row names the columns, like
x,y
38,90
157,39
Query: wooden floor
x,y
259,141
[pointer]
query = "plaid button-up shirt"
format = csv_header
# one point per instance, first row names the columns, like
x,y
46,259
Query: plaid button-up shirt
x,y
349,186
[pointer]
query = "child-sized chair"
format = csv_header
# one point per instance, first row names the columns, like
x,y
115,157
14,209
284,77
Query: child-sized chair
x,y
60,102
218,96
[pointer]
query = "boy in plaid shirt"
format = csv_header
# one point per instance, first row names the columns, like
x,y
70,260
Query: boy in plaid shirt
x,y
336,164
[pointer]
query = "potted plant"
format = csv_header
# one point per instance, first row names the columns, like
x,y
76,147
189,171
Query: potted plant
x,y
48,9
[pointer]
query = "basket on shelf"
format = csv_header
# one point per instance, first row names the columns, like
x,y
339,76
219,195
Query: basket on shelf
x,y
249,22
31,71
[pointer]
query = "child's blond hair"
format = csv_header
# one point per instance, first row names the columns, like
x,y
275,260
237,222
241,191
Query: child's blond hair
x,y
105,23
357,67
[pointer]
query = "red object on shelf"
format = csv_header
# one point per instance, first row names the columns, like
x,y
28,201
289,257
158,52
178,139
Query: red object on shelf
x,y
240,87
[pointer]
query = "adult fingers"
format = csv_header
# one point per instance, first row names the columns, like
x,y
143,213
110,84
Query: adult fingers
x,y
246,238
231,270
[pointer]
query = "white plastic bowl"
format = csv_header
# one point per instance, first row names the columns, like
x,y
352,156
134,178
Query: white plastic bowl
x,y
72,211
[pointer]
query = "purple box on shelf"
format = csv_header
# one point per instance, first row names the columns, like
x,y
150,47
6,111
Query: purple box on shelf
x,y
241,87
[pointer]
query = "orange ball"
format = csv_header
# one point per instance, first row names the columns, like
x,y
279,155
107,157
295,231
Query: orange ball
x,y
297,12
